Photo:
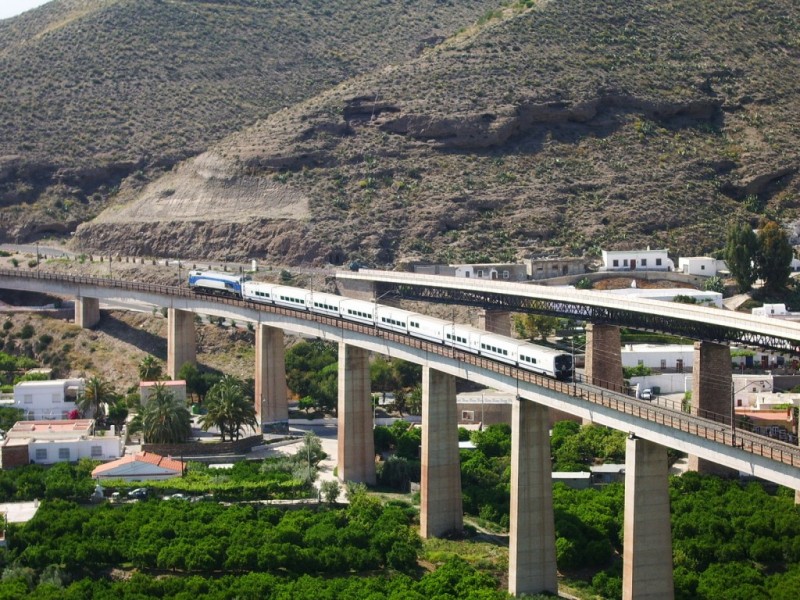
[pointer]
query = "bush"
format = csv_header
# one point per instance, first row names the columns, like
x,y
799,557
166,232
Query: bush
x,y
27,332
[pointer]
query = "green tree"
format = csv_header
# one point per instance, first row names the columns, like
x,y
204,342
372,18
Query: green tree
x,y
96,394
714,284
740,253
774,257
195,383
330,490
382,376
229,408
150,369
165,420
530,326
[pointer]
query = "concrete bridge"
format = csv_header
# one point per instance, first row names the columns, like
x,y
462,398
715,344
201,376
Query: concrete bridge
x,y
647,570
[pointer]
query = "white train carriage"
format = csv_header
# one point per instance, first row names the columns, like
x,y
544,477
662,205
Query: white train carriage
x,y
358,310
427,328
327,304
464,337
499,347
546,361
394,319
291,297
214,282
258,291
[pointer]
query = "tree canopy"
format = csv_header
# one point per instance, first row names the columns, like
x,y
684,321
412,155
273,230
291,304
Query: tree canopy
x,y
229,408
165,420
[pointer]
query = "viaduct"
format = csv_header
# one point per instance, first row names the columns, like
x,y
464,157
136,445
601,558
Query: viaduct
x,y
706,436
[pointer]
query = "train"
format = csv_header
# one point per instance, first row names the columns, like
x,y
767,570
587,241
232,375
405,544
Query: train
x,y
532,357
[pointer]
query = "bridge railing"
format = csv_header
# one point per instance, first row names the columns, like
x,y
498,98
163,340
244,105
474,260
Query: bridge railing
x,y
706,425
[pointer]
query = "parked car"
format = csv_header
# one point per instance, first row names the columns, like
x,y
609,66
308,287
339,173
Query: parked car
x,y
647,394
138,494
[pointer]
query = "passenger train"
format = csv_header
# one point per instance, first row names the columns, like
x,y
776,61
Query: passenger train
x,y
464,337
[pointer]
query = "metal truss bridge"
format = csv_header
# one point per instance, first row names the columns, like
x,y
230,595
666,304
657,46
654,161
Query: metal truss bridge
x,y
685,320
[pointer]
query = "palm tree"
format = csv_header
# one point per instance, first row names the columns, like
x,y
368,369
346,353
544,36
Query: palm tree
x,y
96,394
228,408
150,369
165,420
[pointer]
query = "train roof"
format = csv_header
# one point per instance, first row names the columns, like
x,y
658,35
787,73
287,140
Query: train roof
x,y
219,275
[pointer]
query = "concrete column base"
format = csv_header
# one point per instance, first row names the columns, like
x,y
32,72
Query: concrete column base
x,y
440,498
532,540
181,340
647,544
272,410
356,441
87,312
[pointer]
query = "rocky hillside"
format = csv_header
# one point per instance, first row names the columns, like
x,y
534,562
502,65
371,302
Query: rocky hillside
x,y
102,94
551,126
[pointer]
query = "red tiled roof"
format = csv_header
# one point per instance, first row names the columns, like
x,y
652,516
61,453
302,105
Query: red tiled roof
x,y
145,457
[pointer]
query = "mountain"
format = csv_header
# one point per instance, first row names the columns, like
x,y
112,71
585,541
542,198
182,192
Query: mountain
x,y
102,94
556,127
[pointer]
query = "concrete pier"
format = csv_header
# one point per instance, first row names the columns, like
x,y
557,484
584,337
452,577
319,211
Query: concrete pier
x,y
356,441
711,393
647,544
532,539
440,503
270,381
181,340
603,356
495,321
87,312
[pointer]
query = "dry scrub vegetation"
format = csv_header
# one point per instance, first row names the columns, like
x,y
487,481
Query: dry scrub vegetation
x,y
97,91
548,127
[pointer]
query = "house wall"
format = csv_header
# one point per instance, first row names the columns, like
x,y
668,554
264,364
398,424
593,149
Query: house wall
x,y
45,399
499,272
545,268
698,265
46,452
651,356
645,260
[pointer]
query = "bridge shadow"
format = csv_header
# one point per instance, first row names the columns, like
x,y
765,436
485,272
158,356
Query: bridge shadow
x,y
143,340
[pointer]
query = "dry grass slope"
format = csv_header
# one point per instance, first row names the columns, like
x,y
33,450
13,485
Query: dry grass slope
x,y
101,92
557,127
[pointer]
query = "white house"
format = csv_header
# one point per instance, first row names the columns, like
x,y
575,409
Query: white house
x,y
52,400
140,467
770,310
636,260
50,442
658,356
702,266
493,271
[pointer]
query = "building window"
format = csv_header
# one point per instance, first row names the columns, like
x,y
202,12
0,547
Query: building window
x,y
63,454
663,363
640,362
41,454
28,398
702,267
480,273
625,263
658,262
467,415
644,262
97,451
616,262
505,274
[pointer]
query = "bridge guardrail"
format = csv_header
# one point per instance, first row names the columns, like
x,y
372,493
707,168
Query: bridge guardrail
x,y
706,425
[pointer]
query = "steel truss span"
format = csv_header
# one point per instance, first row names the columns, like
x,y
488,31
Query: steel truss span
x,y
594,314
